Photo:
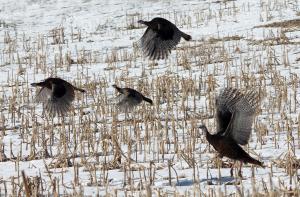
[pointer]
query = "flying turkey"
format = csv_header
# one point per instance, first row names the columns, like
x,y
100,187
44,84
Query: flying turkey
x,y
234,115
160,38
129,98
56,94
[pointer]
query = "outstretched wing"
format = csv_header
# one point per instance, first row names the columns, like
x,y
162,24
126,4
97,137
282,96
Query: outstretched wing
x,y
128,100
61,99
43,95
58,100
236,113
156,46
225,102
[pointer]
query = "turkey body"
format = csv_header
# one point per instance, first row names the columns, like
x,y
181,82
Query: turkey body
x,y
56,94
160,37
234,115
229,148
129,98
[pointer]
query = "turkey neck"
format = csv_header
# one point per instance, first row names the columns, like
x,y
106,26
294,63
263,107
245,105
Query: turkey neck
x,y
207,134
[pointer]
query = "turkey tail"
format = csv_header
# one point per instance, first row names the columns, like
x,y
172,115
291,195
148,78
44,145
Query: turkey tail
x,y
253,161
79,89
147,100
186,36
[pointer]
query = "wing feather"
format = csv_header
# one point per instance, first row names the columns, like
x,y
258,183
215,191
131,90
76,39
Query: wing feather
x,y
53,104
236,113
43,95
128,100
155,47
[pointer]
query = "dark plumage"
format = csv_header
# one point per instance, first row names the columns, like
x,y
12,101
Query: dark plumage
x,y
129,98
160,38
235,113
56,94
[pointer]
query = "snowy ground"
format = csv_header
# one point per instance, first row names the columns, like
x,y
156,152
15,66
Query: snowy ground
x,y
244,43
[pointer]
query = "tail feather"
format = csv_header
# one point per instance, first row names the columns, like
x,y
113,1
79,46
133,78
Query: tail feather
x,y
253,161
147,100
186,36
79,89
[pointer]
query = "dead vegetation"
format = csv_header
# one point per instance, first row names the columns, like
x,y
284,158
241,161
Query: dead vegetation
x,y
282,24
95,147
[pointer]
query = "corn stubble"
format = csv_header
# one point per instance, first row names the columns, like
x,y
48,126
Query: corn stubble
x,y
94,139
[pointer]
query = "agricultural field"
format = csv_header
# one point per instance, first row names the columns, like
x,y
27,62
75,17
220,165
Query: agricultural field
x,y
158,150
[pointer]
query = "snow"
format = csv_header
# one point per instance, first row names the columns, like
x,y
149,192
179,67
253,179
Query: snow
x,y
230,47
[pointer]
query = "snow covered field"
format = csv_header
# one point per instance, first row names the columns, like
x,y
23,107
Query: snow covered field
x,y
92,43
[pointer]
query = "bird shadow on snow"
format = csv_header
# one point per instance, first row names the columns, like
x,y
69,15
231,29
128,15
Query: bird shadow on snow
x,y
185,182
212,181
222,180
